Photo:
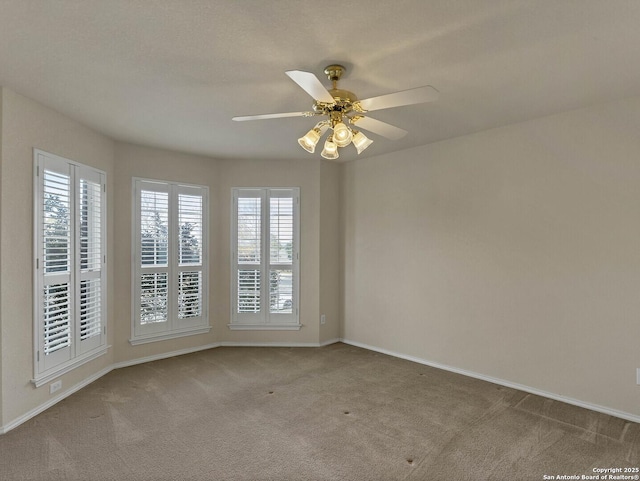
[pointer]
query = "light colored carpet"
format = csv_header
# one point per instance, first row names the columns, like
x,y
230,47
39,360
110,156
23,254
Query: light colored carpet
x,y
332,413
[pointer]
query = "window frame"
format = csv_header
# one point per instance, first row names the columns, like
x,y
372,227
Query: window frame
x,y
265,319
79,351
174,326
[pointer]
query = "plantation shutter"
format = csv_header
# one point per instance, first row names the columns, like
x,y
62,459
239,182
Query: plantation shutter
x,y
171,254
92,223
249,254
55,270
190,255
265,243
70,279
281,252
153,259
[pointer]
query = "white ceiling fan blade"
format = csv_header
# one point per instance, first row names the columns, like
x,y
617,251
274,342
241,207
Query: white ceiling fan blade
x,y
311,85
273,116
398,99
380,128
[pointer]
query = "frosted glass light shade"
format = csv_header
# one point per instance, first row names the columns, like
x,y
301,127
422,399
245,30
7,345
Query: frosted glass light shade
x,y
361,142
309,140
330,151
341,134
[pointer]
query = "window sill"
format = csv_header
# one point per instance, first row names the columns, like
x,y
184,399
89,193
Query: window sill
x,y
264,327
44,378
163,336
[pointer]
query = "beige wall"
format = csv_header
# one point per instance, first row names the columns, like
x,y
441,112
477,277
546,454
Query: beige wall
x,y
512,253
136,161
303,173
220,176
26,125
330,250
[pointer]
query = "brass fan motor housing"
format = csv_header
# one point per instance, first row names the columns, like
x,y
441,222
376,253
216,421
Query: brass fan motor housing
x,y
343,96
344,99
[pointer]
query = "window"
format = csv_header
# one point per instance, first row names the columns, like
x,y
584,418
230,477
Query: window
x,y
170,273
265,253
70,260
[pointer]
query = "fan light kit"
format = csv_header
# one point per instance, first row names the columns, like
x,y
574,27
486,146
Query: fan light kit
x,y
342,110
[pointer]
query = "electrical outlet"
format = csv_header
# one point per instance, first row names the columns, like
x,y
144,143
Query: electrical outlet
x,y
323,319
55,386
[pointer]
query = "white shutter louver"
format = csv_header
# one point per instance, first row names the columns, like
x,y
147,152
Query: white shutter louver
x,y
281,291
190,225
154,219
56,222
249,230
189,294
90,225
56,320
248,290
90,308
281,230
154,295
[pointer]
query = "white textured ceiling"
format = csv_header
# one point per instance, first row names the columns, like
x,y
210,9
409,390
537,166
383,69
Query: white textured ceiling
x,y
172,73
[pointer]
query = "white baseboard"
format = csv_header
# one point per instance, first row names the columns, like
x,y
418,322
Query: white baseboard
x,y
164,355
51,402
330,341
268,344
501,382
43,407
278,344
156,357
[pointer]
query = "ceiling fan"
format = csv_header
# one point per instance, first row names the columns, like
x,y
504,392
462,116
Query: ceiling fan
x,y
342,109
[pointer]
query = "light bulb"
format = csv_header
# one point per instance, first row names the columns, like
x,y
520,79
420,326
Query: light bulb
x,y
361,142
330,151
309,141
341,134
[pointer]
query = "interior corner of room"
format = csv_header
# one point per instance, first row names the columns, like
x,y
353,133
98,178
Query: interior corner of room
x,y
508,253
